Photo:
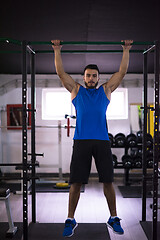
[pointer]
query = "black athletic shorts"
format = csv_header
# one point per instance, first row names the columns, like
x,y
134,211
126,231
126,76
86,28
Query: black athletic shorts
x,y
80,167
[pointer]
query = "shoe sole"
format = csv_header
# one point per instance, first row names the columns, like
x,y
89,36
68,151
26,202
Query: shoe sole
x,y
72,230
113,230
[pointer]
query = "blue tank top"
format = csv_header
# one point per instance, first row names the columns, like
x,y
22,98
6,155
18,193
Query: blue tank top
x,y
91,106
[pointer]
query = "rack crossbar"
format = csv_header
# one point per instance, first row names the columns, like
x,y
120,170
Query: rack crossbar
x,y
89,43
10,164
10,40
89,51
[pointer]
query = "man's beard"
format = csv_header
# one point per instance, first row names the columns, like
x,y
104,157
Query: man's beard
x,y
91,87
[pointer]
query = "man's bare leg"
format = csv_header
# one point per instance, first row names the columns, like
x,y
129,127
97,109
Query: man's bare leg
x,y
114,221
74,195
111,198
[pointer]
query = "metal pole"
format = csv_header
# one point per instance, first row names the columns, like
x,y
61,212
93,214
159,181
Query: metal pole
x,y
10,40
149,49
60,150
89,43
33,151
24,140
1,153
44,126
76,51
156,140
10,164
17,42
89,51
144,142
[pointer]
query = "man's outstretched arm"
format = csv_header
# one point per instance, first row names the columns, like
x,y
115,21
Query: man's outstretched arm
x,y
65,78
117,77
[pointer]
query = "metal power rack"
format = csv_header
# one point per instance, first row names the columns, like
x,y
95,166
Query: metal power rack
x,y
26,50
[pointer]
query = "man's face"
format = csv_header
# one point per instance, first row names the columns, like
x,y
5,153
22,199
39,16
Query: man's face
x,y
91,78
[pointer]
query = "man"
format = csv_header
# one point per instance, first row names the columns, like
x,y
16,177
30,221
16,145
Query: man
x,y
91,134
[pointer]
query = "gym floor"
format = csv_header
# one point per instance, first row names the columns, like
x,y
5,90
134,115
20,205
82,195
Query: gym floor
x,y
92,208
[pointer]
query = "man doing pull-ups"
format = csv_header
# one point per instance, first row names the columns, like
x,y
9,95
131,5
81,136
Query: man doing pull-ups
x,y
91,133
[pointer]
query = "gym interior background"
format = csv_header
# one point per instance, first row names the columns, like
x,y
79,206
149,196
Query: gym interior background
x,y
79,21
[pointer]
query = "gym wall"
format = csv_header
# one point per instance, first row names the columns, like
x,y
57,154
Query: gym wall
x,y
47,139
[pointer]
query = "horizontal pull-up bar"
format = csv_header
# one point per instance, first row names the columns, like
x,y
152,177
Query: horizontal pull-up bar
x,y
89,51
9,40
77,51
10,51
90,43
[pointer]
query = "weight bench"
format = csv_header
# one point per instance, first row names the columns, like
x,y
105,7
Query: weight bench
x,y
4,195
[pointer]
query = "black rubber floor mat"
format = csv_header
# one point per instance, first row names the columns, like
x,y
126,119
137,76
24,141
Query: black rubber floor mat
x,y
4,227
147,228
84,231
133,191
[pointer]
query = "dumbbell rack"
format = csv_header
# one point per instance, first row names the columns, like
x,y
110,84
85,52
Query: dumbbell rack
x,y
120,165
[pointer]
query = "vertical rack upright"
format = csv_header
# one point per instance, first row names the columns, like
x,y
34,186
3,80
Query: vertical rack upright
x,y
24,140
33,144
156,141
156,49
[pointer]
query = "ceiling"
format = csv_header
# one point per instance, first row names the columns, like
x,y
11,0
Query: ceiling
x,y
102,20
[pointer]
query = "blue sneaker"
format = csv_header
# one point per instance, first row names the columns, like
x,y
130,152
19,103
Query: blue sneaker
x,y
114,224
69,228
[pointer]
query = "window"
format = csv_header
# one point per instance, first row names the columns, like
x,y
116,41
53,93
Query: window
x,y
56,102
118,107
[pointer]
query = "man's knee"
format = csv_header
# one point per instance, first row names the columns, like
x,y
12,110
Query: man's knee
x,y
108,185
75,187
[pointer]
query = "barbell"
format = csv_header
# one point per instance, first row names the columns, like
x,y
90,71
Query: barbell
x,y
66,126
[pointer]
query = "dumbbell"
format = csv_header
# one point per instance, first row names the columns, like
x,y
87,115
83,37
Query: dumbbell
x,y
131,140
127,161
150,152
149,158
149,162
139,136
139,150
111,139
149,138
120,140
114,158
138,160
133,152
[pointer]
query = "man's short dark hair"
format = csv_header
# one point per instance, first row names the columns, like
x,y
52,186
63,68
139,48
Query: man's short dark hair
x,y
91,66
